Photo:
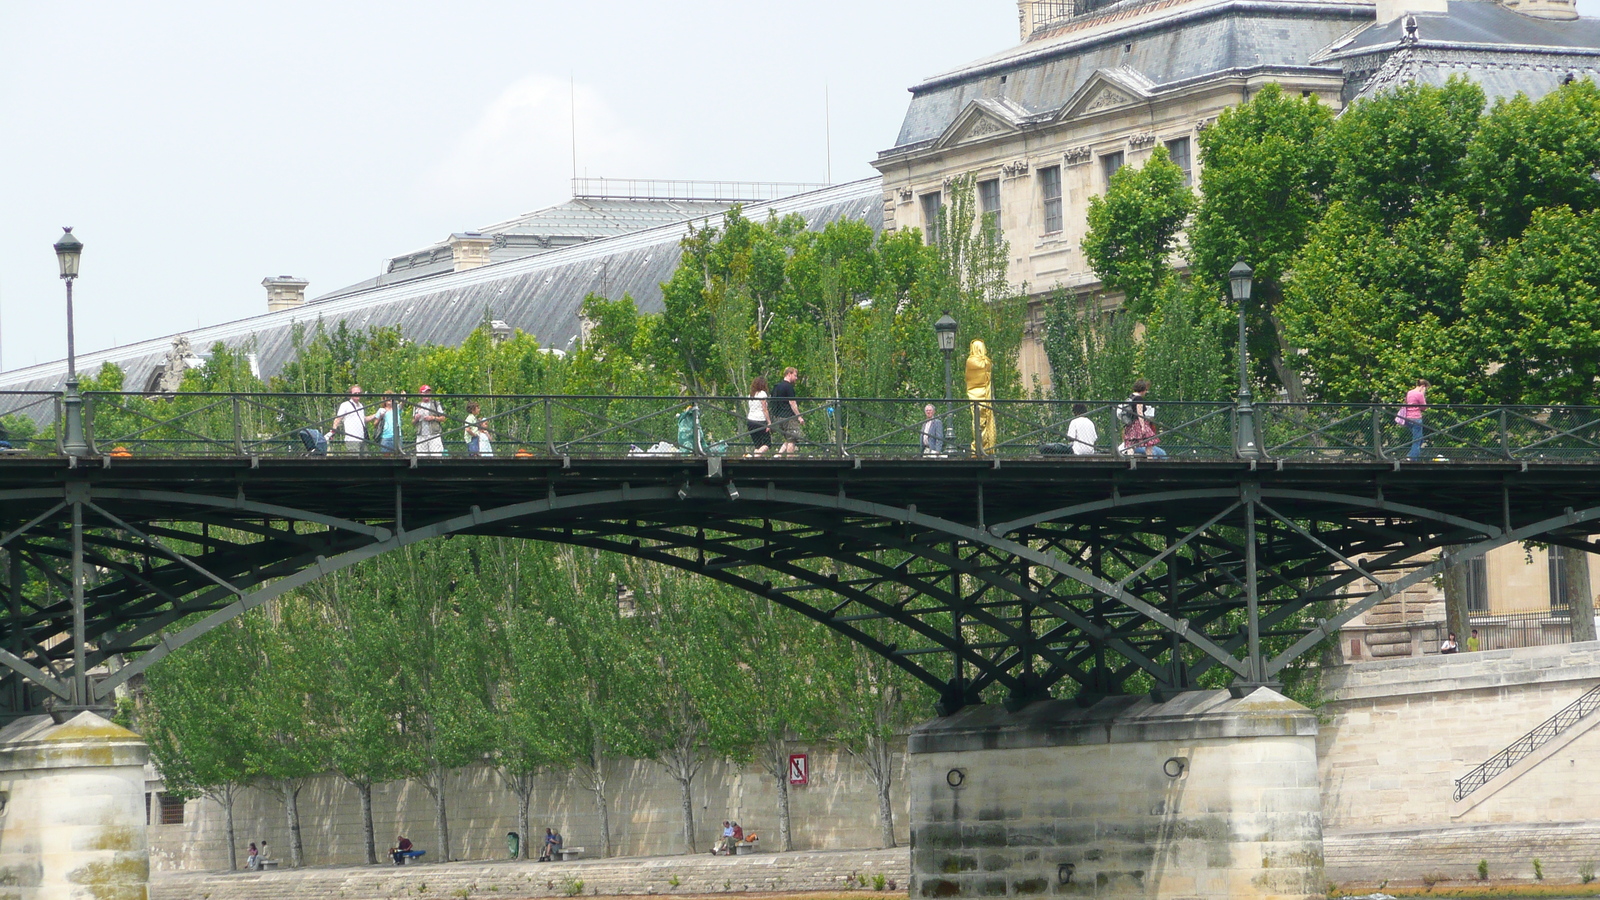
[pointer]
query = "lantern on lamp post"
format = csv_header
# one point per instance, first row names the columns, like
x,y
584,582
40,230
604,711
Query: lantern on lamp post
x,y
68,252
1240,281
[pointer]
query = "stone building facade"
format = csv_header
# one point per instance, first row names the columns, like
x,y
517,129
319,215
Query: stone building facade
x,y
1094,86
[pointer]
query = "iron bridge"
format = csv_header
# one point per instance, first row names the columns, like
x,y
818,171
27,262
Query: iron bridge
x,y
1009,572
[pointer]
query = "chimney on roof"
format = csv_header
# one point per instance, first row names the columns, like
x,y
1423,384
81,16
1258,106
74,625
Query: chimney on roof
x,y
285,292
1028,18
470,250
1389,10
1560,10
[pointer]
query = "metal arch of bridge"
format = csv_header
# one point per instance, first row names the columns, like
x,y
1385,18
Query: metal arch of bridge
x,y
1163,572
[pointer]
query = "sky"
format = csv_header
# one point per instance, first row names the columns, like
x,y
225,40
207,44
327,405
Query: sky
x,y
198,148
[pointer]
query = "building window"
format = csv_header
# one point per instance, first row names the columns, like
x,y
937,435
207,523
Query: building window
x,y
1178,152
168,809
1109,164
1478,585
989,202
1561,590
931,203
1050,190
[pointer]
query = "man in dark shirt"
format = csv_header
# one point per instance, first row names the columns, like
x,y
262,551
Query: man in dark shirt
x,y
786,418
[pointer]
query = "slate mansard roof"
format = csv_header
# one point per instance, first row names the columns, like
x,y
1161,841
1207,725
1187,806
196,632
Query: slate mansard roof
x,y
1170,44
538,294
1148,47
1505,52
577,221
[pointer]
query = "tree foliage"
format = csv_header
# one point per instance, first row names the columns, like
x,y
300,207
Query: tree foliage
x,y
1134,227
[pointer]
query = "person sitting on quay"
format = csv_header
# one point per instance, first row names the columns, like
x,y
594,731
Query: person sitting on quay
x,y
403,850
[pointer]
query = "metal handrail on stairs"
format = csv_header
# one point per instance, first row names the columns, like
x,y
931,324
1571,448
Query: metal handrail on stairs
x,y
1525,745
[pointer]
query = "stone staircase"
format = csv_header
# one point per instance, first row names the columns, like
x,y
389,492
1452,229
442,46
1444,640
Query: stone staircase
x,y
516,879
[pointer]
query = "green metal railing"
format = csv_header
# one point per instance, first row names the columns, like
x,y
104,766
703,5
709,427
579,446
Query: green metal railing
x,y
271,425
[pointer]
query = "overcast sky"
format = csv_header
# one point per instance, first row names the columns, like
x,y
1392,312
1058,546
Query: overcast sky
x,y
198,148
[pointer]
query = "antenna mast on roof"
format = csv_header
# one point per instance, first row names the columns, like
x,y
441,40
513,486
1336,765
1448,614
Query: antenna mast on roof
x,y
572,109
827,129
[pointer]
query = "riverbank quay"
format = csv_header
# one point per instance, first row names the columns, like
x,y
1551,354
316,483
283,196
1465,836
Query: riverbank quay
x,y
857,871
1490,890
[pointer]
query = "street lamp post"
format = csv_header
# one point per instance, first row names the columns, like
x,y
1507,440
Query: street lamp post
x,y
946,329
68,251
1244,443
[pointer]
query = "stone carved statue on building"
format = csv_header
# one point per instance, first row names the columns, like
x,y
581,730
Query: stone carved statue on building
x,y
170,378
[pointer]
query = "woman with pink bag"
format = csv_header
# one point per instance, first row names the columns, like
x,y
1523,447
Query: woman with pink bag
x,y
1411,416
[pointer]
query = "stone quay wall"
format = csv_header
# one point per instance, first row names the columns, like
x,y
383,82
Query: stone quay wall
x,y
1393,737
837,810
1397,734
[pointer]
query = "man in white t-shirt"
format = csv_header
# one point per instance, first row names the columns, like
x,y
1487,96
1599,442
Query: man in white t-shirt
x,y
351,421
1081,433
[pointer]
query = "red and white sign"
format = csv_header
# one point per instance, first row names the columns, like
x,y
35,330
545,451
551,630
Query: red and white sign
x,y
799,769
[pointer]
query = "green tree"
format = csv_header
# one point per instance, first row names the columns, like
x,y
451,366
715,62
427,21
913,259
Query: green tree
x,y
877,702
780,699
284,753
1092,351
195,714
353,636
1529,155
1187,351
1261,182
1533,312
1378,284
1134,228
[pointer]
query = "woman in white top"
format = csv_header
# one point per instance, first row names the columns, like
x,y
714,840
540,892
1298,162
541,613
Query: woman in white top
x,y
758,419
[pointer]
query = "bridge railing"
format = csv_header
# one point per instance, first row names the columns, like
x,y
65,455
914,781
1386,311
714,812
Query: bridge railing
x,y
265,425
1450,433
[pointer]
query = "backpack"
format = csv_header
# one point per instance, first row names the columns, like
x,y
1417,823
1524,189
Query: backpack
x,y
315,442
1125,413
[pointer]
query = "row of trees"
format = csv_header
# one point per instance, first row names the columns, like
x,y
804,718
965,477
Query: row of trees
x,y
536,658
1417,234
527,657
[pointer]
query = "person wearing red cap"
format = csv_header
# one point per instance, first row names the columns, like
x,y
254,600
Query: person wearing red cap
x,y
428,418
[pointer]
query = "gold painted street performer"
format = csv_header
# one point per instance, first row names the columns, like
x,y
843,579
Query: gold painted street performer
x,y
980,390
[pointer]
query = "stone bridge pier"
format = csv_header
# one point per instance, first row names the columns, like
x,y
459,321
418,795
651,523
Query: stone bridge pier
x,y
1203,796
72,823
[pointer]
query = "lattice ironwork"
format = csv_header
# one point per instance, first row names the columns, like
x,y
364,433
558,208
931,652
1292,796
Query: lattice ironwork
x,y
269,425
1007,575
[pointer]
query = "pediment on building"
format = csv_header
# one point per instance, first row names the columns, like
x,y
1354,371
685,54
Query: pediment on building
x,y
1108,89
981,120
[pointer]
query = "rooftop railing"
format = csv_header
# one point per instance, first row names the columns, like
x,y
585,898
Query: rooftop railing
x,y
285,425
710,191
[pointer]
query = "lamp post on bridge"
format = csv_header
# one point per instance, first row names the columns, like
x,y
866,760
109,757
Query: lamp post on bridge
x,y
68,251
1244,441
945,328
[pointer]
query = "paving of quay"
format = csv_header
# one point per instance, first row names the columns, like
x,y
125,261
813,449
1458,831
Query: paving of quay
x,y
807,870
